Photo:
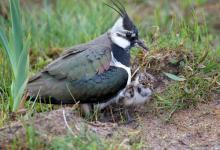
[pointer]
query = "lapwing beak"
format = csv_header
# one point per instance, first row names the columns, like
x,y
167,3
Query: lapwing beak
x,y
141,44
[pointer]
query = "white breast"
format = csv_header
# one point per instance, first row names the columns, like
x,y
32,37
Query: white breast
x,y
116,63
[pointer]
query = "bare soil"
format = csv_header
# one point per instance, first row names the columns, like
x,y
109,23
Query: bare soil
x,y
197,128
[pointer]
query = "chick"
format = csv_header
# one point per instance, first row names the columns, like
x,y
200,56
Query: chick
x,y
134,94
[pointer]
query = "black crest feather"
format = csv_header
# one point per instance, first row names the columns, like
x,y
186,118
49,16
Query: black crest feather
x,y
118,7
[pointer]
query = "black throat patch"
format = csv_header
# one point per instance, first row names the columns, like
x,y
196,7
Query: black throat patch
x,y
121,55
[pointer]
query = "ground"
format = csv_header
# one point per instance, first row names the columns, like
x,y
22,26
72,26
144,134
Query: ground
x,y
196,128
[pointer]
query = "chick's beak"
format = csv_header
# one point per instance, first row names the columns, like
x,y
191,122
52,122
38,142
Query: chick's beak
x,y
141,44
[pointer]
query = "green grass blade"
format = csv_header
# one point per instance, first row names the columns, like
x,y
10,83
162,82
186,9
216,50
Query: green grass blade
x,y
16,27
5,44
21,53
174,77
18,96
17,51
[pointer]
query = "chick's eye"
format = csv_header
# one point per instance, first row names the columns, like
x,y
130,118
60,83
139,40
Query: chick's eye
x,y
139,89
128,35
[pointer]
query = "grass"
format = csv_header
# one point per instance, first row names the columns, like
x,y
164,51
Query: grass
x,y
55,25
85,140
33,140
59,31
183,95
200,64
17,54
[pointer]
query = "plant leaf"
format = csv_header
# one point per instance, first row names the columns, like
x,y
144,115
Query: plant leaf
x,y
16,49
18,96
5,44
16,28
174,77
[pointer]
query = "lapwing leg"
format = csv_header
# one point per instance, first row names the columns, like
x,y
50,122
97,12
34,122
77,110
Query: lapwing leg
x,y
129,118
86,109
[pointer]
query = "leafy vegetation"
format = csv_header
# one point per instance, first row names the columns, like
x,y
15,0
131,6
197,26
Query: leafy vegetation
x,y
17,52
53,25
184,41
84,141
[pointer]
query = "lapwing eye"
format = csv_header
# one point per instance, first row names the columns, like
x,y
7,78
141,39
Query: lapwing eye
x,y
131,36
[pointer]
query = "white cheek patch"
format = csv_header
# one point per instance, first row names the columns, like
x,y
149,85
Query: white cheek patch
x,y
121,42
117,28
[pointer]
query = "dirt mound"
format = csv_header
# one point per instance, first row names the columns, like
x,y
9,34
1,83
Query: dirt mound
x,y
189,129
59,122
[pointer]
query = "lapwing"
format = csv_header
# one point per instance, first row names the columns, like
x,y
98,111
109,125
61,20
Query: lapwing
x,y
136,93
93,72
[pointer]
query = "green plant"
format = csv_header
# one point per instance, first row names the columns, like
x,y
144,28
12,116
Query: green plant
x,y
31,140
16,49
83,141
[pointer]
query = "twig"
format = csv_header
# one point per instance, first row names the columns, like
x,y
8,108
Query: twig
x,y
112,115
141,65
71,93
135,72
67,125
35,99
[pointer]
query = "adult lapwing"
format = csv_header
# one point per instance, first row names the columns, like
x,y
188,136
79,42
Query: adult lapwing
x,y
93,72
